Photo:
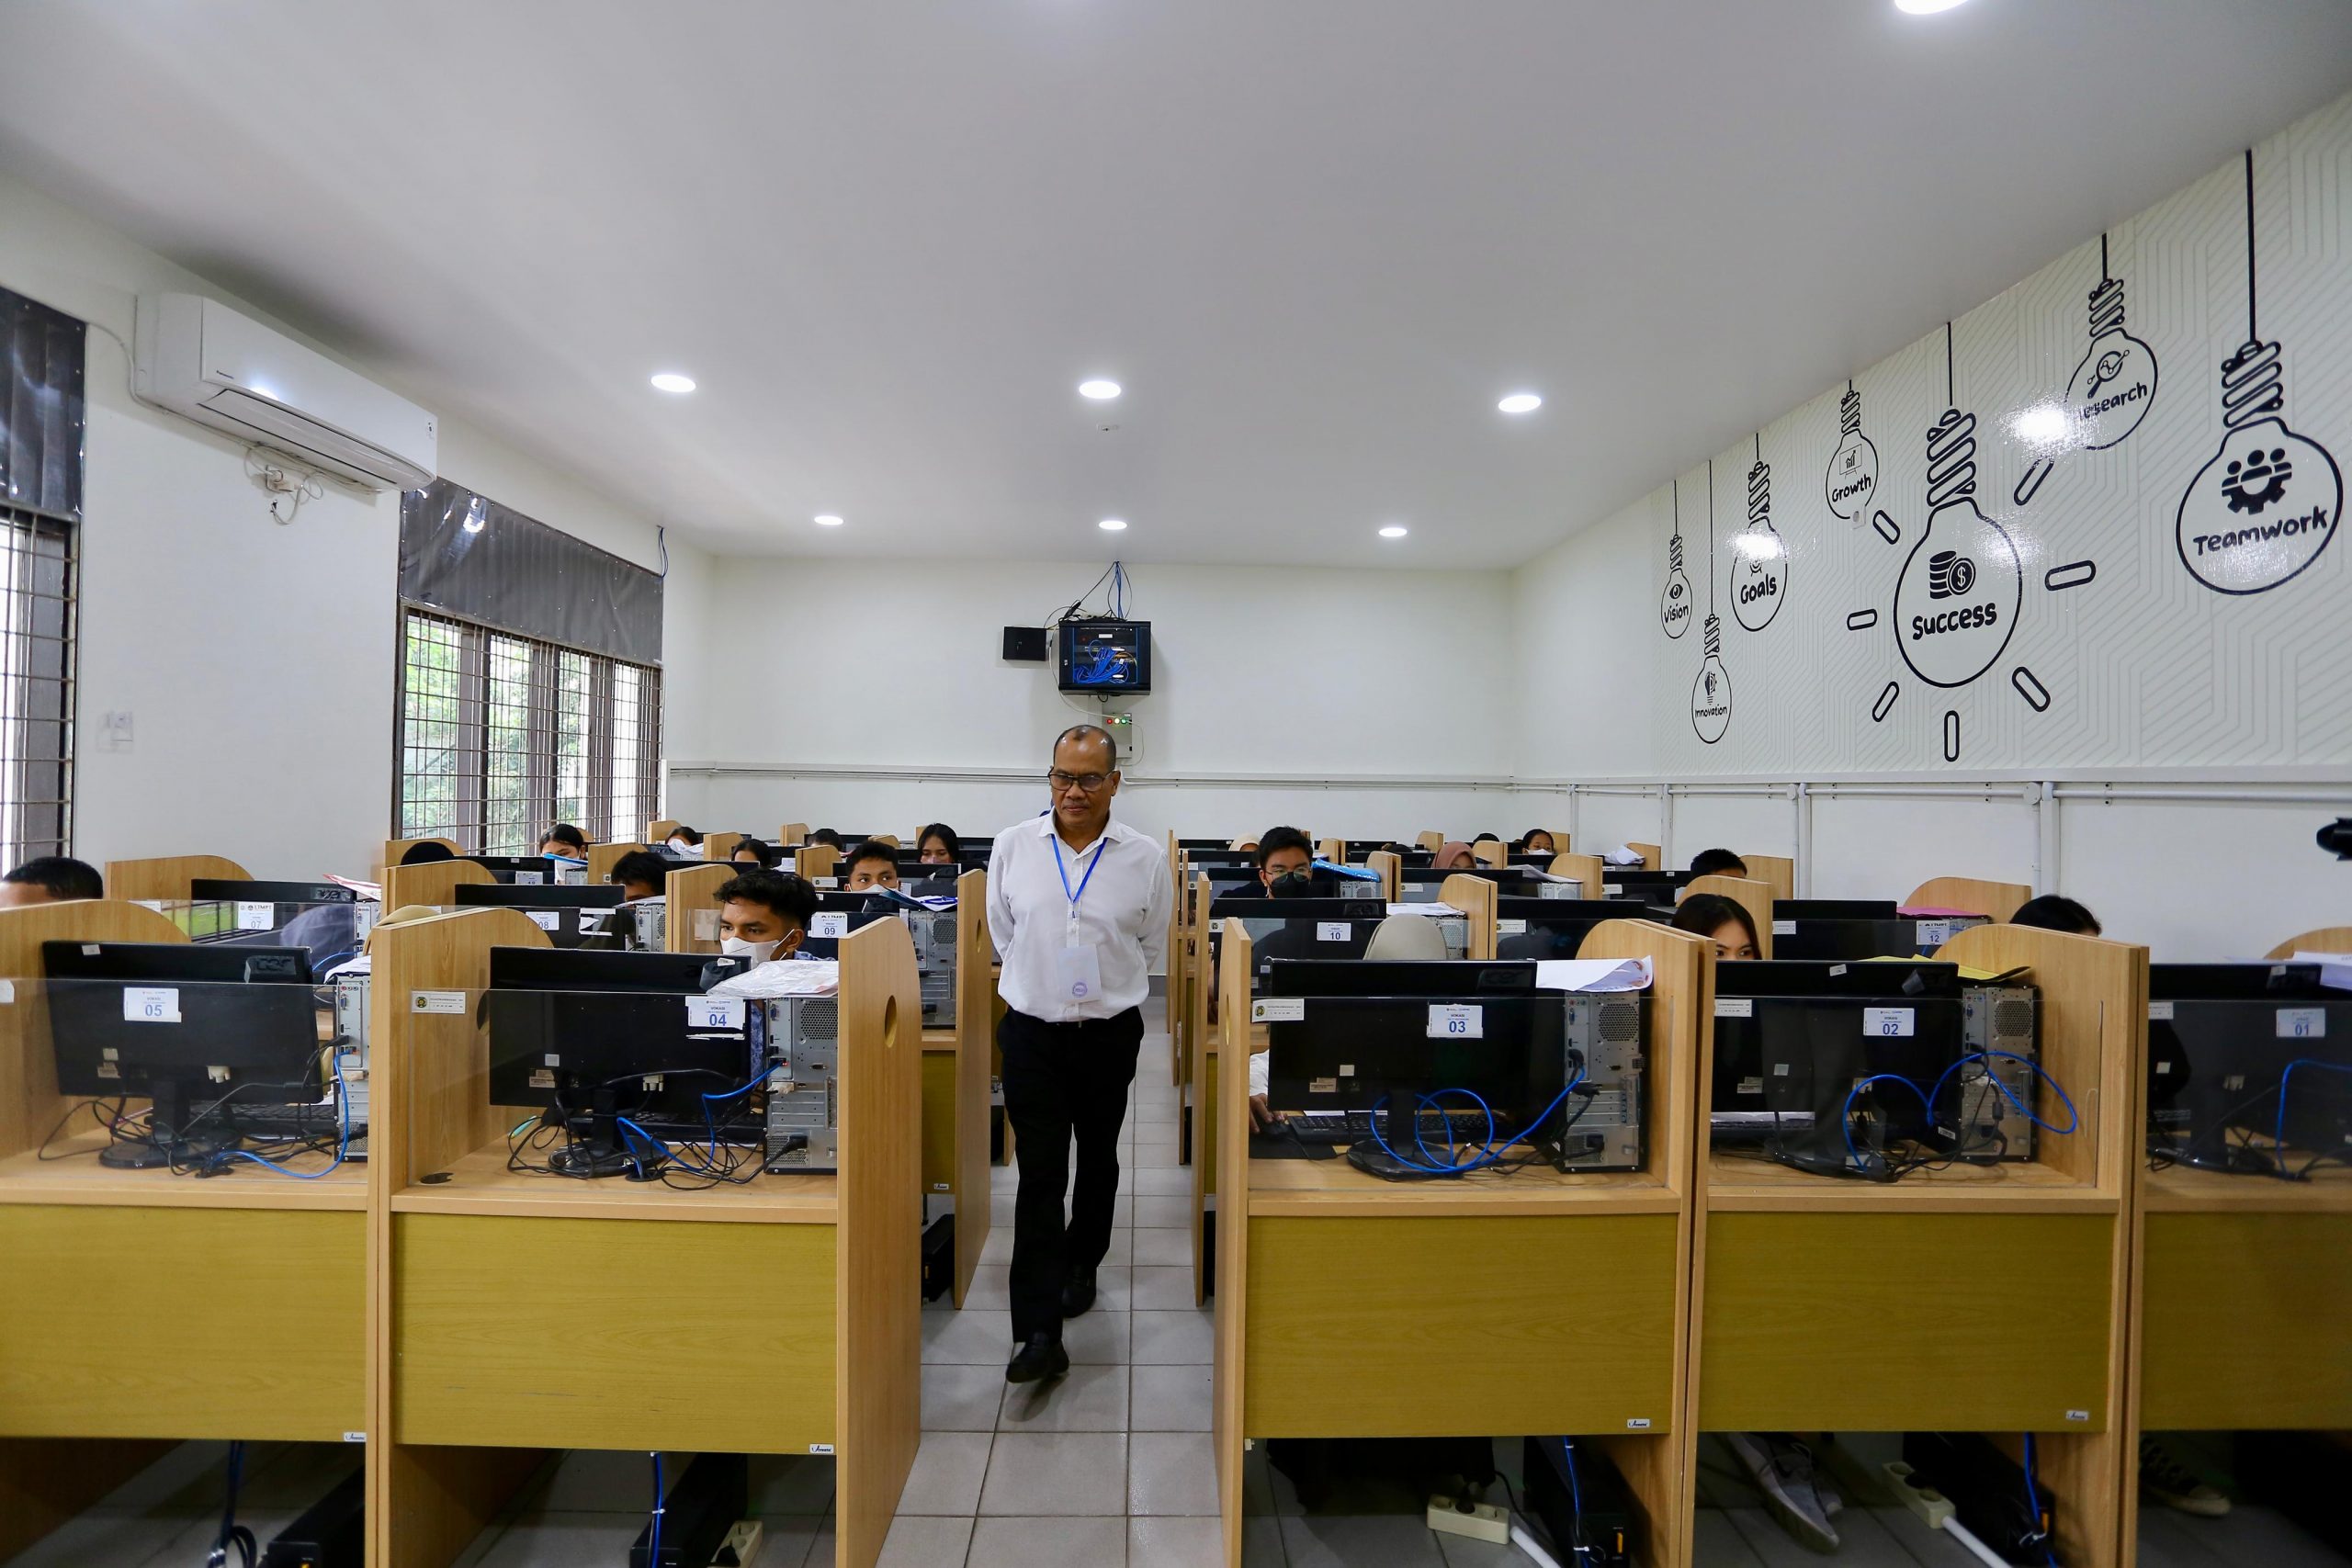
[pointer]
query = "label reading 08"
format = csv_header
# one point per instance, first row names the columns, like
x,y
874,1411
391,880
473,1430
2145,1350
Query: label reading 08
x,y
1457,1021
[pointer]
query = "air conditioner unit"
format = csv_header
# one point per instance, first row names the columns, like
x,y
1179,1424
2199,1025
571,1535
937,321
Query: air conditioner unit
x,y
198,358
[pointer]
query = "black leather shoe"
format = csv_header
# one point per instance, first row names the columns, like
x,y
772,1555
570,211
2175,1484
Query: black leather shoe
x,y
1079,1294
1043,1356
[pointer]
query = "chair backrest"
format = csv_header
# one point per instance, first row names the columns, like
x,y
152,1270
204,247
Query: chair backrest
x,y
1406,937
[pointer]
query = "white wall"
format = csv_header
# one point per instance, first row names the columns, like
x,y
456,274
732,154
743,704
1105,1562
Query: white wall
x,y
1264,677
256,659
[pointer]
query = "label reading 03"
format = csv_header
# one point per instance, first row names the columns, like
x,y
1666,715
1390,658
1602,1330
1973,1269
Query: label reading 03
x,y
1457,1021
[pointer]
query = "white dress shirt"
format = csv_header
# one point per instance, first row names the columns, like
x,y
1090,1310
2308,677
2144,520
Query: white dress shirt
x,y
1123,915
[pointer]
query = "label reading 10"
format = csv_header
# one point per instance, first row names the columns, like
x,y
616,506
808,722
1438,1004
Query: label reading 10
x,y
1457,1021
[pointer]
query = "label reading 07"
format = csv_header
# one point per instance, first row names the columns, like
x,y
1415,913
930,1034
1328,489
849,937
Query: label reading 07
x,y
1892,1021
1457,1021
255,916
714,1012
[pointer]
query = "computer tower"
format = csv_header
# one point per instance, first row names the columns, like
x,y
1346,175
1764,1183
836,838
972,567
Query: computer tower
x,y
1609,1034
351,994
1580,1498
331,1533
2006,1020
804,1101
934,938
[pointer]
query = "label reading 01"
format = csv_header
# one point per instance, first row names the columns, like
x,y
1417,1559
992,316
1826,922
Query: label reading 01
x,y
1457,1021
1896,1022
2302,1023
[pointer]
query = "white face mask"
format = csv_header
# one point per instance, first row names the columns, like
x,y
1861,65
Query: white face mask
x,y
757,951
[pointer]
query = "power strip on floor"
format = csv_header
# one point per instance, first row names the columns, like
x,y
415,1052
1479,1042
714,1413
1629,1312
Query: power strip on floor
x,y
1484,1521
742,1547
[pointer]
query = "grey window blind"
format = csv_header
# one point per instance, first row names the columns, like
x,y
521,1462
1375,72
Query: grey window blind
x,y
467,556
41,408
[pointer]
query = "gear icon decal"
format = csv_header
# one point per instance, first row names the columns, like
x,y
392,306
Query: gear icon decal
x,y
2256,479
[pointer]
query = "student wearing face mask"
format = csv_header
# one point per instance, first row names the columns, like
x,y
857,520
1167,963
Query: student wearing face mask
x,y
1285,866
684,840
764,915
872,864
937,845
566,841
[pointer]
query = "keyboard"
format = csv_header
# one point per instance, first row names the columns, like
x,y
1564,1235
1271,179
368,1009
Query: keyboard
x,y
1356,1126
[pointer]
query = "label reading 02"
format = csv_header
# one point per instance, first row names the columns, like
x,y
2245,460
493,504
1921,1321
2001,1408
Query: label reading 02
x,y
1894,1022
1457,1021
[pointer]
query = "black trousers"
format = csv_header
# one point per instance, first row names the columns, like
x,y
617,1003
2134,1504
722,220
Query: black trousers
x,y
1063,1083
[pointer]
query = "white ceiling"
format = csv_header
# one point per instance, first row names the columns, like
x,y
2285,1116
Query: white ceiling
x,y
1316,239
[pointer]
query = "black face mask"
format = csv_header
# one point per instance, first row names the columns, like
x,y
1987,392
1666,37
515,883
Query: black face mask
x,y
1292,884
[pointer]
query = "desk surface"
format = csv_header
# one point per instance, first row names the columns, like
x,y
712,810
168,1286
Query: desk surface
x,y
939,1040
78,1178
479,1183
2181,1189
1736,1182
1334,1189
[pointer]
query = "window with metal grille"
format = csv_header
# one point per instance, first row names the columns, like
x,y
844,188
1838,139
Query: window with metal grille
x,y
502,735
37,607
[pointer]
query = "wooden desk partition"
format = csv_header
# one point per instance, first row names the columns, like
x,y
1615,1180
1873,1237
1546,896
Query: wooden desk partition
x,y
396,850
117,1334
1391,867
1432,841
1323,1272
434,885
956,1070
1998,899
1490,853
719,848
690,912
1755,897
1475,896
1812,1313
1177,961
602,858
660,828
166,877
792,835
1588,870
1200,1013
1332,850
820,863
1653,857
1778,871
518,1308
2327,939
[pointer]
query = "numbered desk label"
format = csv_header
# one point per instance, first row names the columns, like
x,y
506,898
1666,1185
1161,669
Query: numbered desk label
x,y
2302,1023
829,922
1735,1006
546,920
151,1004
1510,927
1278,1010
437,1001
530,878
1934,933
1331,931
256,916
1889,1022
714,1012
2159,1012
1457,1021
826,882
1784,927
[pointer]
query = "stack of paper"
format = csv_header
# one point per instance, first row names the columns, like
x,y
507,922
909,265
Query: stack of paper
x,y
785,977
1593,974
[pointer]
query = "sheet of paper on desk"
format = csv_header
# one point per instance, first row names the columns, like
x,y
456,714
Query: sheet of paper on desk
x,y
1432,909
370,890
785,977
1621,855
2334,968
1592,974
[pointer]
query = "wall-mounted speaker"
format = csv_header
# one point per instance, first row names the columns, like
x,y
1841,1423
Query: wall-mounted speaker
x,y
1026,643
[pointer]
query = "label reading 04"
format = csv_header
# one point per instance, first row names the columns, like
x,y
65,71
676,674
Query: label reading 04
x,y
1457,1021
714,1012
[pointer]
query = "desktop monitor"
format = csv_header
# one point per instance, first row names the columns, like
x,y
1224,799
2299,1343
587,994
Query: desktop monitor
x,y
599,1039
571,914
300,895
201,1031
1834,910
522,869
1400,978
1555,928
1379,1053
2220,1040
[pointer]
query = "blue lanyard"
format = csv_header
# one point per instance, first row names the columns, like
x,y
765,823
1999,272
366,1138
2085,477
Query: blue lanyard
x,y
1073,897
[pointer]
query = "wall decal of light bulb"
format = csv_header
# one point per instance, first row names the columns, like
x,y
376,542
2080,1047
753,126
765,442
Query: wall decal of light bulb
x,y
1760,580
2108,395
1956,602
2268,502
1853,479
1674,606
1711,690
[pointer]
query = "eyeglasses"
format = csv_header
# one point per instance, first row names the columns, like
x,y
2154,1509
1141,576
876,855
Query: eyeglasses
x,y
1059,780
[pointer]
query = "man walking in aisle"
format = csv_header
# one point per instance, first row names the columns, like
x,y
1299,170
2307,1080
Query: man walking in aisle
x,y
1077,906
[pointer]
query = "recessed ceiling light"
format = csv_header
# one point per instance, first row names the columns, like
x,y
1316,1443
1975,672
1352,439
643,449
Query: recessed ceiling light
x,y
1925,7
1394,531
670,381
1520,402
827,520
1098,390
1112,526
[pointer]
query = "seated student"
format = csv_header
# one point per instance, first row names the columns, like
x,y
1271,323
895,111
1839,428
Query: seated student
x,y
764,915
684,840
937,845
749,850
1722,921
1452,855
872,864
1484,839
1717,863
1285,866
826,837
564,839
641,874
51,879
1537,842
2053,912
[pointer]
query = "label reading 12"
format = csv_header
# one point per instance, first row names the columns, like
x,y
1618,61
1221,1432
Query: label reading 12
x,y
1934,933
1331,931
714,1012
1895,1022
1278,1010
1457,1021
829,922
151,1004
2302,1023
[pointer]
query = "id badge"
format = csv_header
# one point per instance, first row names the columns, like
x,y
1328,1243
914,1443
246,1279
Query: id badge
x,y
1078,973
